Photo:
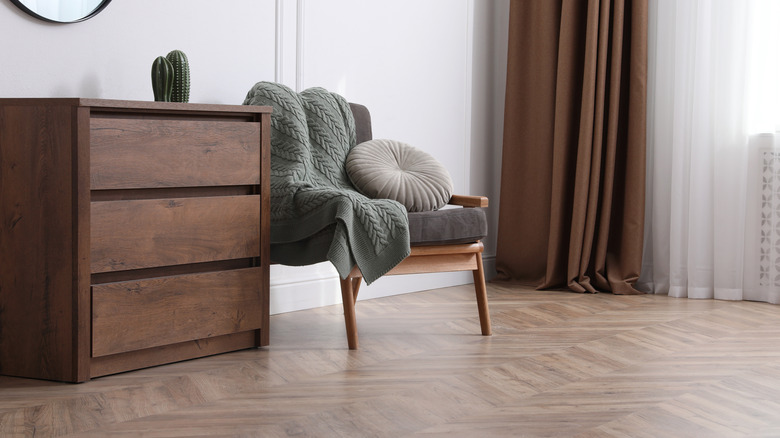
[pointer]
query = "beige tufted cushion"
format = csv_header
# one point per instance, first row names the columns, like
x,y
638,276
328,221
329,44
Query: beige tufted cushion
x,y
391,169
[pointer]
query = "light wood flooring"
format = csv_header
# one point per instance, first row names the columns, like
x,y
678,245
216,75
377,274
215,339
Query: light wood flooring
x,y
559,364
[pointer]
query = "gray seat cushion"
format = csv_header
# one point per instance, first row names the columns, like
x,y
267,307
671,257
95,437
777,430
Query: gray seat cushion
x,y
448,226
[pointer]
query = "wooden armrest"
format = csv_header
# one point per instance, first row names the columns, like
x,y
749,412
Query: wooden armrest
x,y
469,201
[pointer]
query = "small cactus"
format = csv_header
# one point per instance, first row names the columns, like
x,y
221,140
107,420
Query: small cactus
x,y
162,79
181,78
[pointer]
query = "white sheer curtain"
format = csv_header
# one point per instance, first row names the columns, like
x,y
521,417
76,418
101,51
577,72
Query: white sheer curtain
x,y
713,85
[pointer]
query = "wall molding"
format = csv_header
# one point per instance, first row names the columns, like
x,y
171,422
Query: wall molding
x,y
299,44
467,89
278,40
287,38
326,291
306,288
489,265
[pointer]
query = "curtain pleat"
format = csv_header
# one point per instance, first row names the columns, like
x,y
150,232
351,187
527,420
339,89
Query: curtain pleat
x,y
572,188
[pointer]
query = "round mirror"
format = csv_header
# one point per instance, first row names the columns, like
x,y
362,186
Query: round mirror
x,y
62,11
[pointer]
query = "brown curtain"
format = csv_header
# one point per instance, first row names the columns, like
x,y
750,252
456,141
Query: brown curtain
x,y
573,171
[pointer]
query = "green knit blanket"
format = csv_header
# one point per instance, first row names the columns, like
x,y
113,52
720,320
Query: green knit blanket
x,y
316,213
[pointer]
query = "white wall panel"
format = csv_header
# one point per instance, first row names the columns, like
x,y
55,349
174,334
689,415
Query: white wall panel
x,y
230,46
406,60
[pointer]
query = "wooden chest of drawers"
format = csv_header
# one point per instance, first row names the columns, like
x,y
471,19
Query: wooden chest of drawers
x,y
132,234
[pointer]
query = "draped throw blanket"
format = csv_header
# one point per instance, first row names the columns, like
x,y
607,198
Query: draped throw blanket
x,y
316,213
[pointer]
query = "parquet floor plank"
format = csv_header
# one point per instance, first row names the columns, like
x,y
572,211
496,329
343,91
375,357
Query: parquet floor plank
x,y
559,364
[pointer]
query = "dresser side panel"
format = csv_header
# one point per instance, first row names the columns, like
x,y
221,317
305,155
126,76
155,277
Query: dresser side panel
x,y
36,241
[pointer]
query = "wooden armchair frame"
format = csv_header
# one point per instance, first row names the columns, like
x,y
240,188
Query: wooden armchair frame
x,y
427,259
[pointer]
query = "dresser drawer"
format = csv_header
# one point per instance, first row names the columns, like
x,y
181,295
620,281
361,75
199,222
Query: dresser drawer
x,y
133,315
150,153
148,233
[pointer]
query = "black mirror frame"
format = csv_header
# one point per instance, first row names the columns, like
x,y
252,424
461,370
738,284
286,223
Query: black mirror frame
x,y
97,10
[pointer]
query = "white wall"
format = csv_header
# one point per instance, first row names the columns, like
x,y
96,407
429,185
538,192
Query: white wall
x,y
489,47
110,55
431,72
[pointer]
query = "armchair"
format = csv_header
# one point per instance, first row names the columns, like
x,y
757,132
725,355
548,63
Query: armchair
x,y
441,241
318,213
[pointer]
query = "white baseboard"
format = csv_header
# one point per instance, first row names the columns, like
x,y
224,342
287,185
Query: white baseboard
x,y
300,288
489,265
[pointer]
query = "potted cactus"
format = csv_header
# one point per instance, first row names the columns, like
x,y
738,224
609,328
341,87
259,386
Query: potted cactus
x,y
162,79
181,76
171,77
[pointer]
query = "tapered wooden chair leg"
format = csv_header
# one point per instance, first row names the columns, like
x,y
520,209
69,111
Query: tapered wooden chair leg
x,y
356,287
348,297
482,301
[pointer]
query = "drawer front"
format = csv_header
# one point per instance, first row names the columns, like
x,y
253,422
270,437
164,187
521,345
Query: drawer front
x,y
134,315
149,233
149,153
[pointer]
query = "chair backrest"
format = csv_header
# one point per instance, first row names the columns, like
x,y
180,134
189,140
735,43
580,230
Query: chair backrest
x,y
362,122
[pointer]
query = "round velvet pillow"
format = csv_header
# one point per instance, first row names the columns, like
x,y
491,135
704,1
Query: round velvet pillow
x,y
389,169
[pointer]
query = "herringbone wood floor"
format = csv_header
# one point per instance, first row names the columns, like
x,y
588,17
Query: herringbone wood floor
x,y
558,364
